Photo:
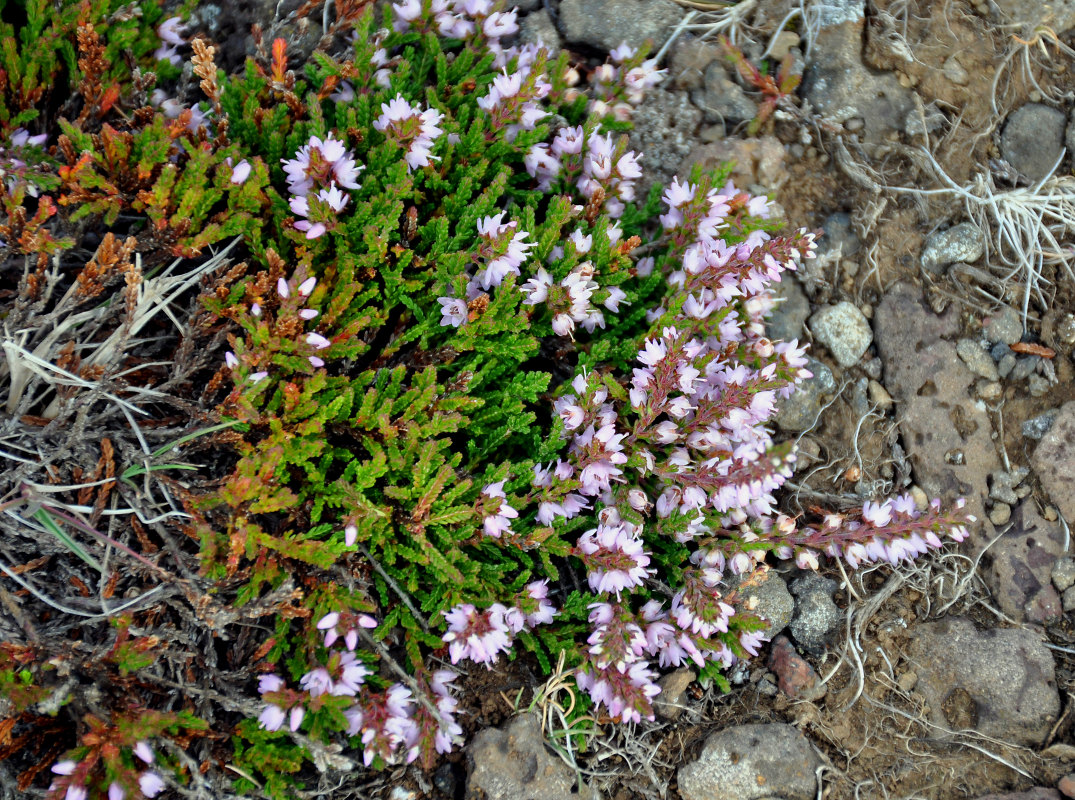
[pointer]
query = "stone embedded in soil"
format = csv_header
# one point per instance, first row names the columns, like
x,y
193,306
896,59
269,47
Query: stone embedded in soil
x,y
1032,139
538,27
721,99
1037,427
1020,564
964,243
606,24
795,677
1063,574
977,359
816,615
751,762
840,87
1054,461
670,703
947,435
1000,682
758,162
844,330
765,595
792,309
838,233
510,763
1005,326
664,129
800,411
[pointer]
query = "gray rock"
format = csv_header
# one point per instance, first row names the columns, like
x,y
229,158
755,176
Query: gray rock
x,y
722,99
765,595
977,359
840,87
999,682
795,677
879,396
787,320
1036,427
1000,514
606,24
1054,461
1024,368
1032,139
1063,574
751,762
937,418
1003,327
1057,14
1020,564
1002,484
844,330
816,615
837,233
1038,385
1068,599
1006,365
963,242
956,72
538,27
513,763
800,411
670,703
664,129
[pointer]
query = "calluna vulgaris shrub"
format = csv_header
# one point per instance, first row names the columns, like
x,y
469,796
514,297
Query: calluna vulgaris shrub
x,y
482,398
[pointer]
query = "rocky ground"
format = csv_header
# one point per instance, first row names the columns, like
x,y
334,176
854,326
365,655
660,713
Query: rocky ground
x,y
927,141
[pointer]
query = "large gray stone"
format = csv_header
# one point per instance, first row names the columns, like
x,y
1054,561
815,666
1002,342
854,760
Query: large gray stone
x,y
606,24
512,763
751,762
1054,461
1032,139
947,435
816,615
963,242
1000,682
1021,563
787,319
800,411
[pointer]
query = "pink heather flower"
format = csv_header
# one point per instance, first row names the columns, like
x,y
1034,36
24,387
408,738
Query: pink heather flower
x,y
64,767
171,30
144,752
150,783
230,360
537,288
323,163
453,311
350,534
116,792
258,377
270,683
614,557
479,636
240,172
317,682
498,522
76,792
318,341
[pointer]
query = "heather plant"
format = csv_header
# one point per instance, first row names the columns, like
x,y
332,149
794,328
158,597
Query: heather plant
x,y
468,394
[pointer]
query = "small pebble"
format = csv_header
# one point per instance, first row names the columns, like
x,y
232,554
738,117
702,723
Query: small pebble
x,y
1049,514
1024,367
907,680
1036,427
1068,599
1001,513
990,390
1066,785
879,396
999,350
1063,574
855,124
977,359
921,499
1038,385
1006,365
955,72
1005,326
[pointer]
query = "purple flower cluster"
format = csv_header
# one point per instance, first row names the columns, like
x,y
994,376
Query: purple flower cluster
x,y
619,86
474,21
393,724
72,783
482,635
171,34
591,163
316,178
411,128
